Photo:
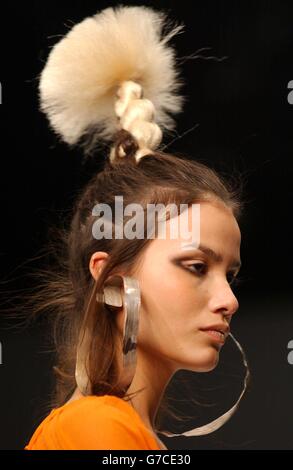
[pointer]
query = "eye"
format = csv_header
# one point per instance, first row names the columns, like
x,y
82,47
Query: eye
x,y
197,268
200,269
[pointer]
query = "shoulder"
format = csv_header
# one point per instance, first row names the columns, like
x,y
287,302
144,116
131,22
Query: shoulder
x,y
105,422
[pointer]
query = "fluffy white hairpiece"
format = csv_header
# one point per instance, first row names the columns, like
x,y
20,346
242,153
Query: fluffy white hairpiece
x,y
79,82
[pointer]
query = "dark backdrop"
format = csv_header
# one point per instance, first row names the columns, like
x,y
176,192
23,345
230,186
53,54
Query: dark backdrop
x,y
242,120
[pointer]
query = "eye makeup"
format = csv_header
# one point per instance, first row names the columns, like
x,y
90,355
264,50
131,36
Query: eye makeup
x,y
216,257
196,261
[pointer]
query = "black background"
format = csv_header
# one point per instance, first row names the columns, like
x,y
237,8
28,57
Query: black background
x,y
242,122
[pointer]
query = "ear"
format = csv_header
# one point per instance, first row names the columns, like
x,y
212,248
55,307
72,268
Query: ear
x,y
96,263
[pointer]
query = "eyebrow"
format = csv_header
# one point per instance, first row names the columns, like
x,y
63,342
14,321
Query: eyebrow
x,y
236,263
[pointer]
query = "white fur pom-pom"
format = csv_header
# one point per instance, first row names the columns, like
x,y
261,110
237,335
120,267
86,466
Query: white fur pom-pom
x,y
79,82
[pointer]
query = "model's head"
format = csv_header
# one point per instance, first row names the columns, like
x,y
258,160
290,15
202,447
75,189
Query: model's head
x,y
120,85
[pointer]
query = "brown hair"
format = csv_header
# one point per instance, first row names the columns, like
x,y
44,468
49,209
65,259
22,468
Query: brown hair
x,y
67,290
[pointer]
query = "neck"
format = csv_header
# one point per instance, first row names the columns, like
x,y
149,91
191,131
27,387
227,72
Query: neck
x,y
153,379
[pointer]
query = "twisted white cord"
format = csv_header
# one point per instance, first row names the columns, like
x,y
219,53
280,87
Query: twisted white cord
x,y
136,115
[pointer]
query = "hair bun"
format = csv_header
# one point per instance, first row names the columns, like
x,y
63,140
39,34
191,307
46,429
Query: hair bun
x,y
85,69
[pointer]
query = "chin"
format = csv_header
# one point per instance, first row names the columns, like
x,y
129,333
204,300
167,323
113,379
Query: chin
x,y
205,361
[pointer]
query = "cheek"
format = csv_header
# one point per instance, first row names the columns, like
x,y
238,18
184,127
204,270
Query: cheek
x,y
170,300
162,287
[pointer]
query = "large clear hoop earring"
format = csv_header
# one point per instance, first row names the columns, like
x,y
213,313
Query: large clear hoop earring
x,y
118,292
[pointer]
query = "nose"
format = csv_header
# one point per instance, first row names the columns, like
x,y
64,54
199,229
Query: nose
x,y
224,301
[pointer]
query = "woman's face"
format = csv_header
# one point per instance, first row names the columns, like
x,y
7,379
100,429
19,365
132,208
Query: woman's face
x,y
185,291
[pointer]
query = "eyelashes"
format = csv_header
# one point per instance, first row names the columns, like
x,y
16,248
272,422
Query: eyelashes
x,y
200,269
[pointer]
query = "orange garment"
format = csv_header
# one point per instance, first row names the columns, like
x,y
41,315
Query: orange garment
x,y
93,423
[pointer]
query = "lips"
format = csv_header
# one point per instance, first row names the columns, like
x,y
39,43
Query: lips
x,y
219,332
